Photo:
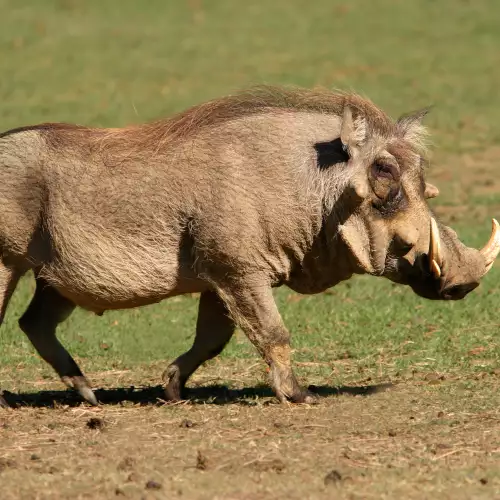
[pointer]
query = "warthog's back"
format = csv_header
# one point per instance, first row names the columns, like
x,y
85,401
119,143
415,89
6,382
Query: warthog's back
x,y
131,216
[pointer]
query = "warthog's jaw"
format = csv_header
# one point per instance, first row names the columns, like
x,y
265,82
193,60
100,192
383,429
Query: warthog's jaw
x,y
424,283
435,277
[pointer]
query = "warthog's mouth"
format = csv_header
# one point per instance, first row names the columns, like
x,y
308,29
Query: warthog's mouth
x,y
424,283
430,287
427,275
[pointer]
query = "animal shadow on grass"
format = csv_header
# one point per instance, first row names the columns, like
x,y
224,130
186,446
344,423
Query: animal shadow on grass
x,y
211,394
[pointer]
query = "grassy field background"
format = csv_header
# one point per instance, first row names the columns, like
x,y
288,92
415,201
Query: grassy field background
x,y
110,63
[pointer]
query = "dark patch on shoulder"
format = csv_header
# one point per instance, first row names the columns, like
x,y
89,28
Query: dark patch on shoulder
x,y
330,153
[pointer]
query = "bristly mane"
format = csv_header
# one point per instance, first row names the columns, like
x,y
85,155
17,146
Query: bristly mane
x,y
256,100
259,100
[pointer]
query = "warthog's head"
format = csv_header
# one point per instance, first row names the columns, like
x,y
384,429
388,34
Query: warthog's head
x,y
391,231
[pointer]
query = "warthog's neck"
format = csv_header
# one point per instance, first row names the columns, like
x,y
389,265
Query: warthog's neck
x,y
327,263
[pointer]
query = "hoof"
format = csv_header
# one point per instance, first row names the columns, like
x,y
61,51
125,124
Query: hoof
x,y
299,397
305,397
311,399
88,394
80,384
174,385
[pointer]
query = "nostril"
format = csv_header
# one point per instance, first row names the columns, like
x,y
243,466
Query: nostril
x,y
457,292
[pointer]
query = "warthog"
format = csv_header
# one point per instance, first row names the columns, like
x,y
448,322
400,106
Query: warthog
x,y
228,199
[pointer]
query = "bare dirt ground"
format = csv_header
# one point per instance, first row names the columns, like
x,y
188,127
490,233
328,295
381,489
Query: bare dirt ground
x,y
425,436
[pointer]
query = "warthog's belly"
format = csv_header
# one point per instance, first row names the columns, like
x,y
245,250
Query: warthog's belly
x,y
99,303
121,284
101,269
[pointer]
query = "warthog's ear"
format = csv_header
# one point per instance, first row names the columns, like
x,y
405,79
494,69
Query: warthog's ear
x,y
410,127
353,131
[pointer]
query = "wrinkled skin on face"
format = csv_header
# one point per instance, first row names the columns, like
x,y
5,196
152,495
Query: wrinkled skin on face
x,y
393,232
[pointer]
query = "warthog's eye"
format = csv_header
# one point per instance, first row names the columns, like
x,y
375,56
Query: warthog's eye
x,y
385,179
385,171
395,201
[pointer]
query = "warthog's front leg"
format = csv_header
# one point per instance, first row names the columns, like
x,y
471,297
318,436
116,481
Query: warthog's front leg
x,y
214,329
255,311
8,281
47,309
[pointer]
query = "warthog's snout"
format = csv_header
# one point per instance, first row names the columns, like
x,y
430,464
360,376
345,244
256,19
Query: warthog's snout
x,y
489,252
450,270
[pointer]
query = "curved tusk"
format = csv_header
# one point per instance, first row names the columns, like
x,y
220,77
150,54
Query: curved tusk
x,y
435,269
435,257
491,250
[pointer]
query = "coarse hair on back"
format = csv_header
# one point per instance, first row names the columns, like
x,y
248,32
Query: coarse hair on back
x,y
256,100
261,99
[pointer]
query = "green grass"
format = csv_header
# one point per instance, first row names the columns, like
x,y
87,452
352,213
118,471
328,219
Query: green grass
x,y
111,63
435,435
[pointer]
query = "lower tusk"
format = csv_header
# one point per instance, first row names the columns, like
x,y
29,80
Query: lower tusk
x,y
435,257
435,269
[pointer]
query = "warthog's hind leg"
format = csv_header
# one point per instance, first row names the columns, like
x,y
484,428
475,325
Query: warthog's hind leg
x,y
8,281
214,329
47,309
255,311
